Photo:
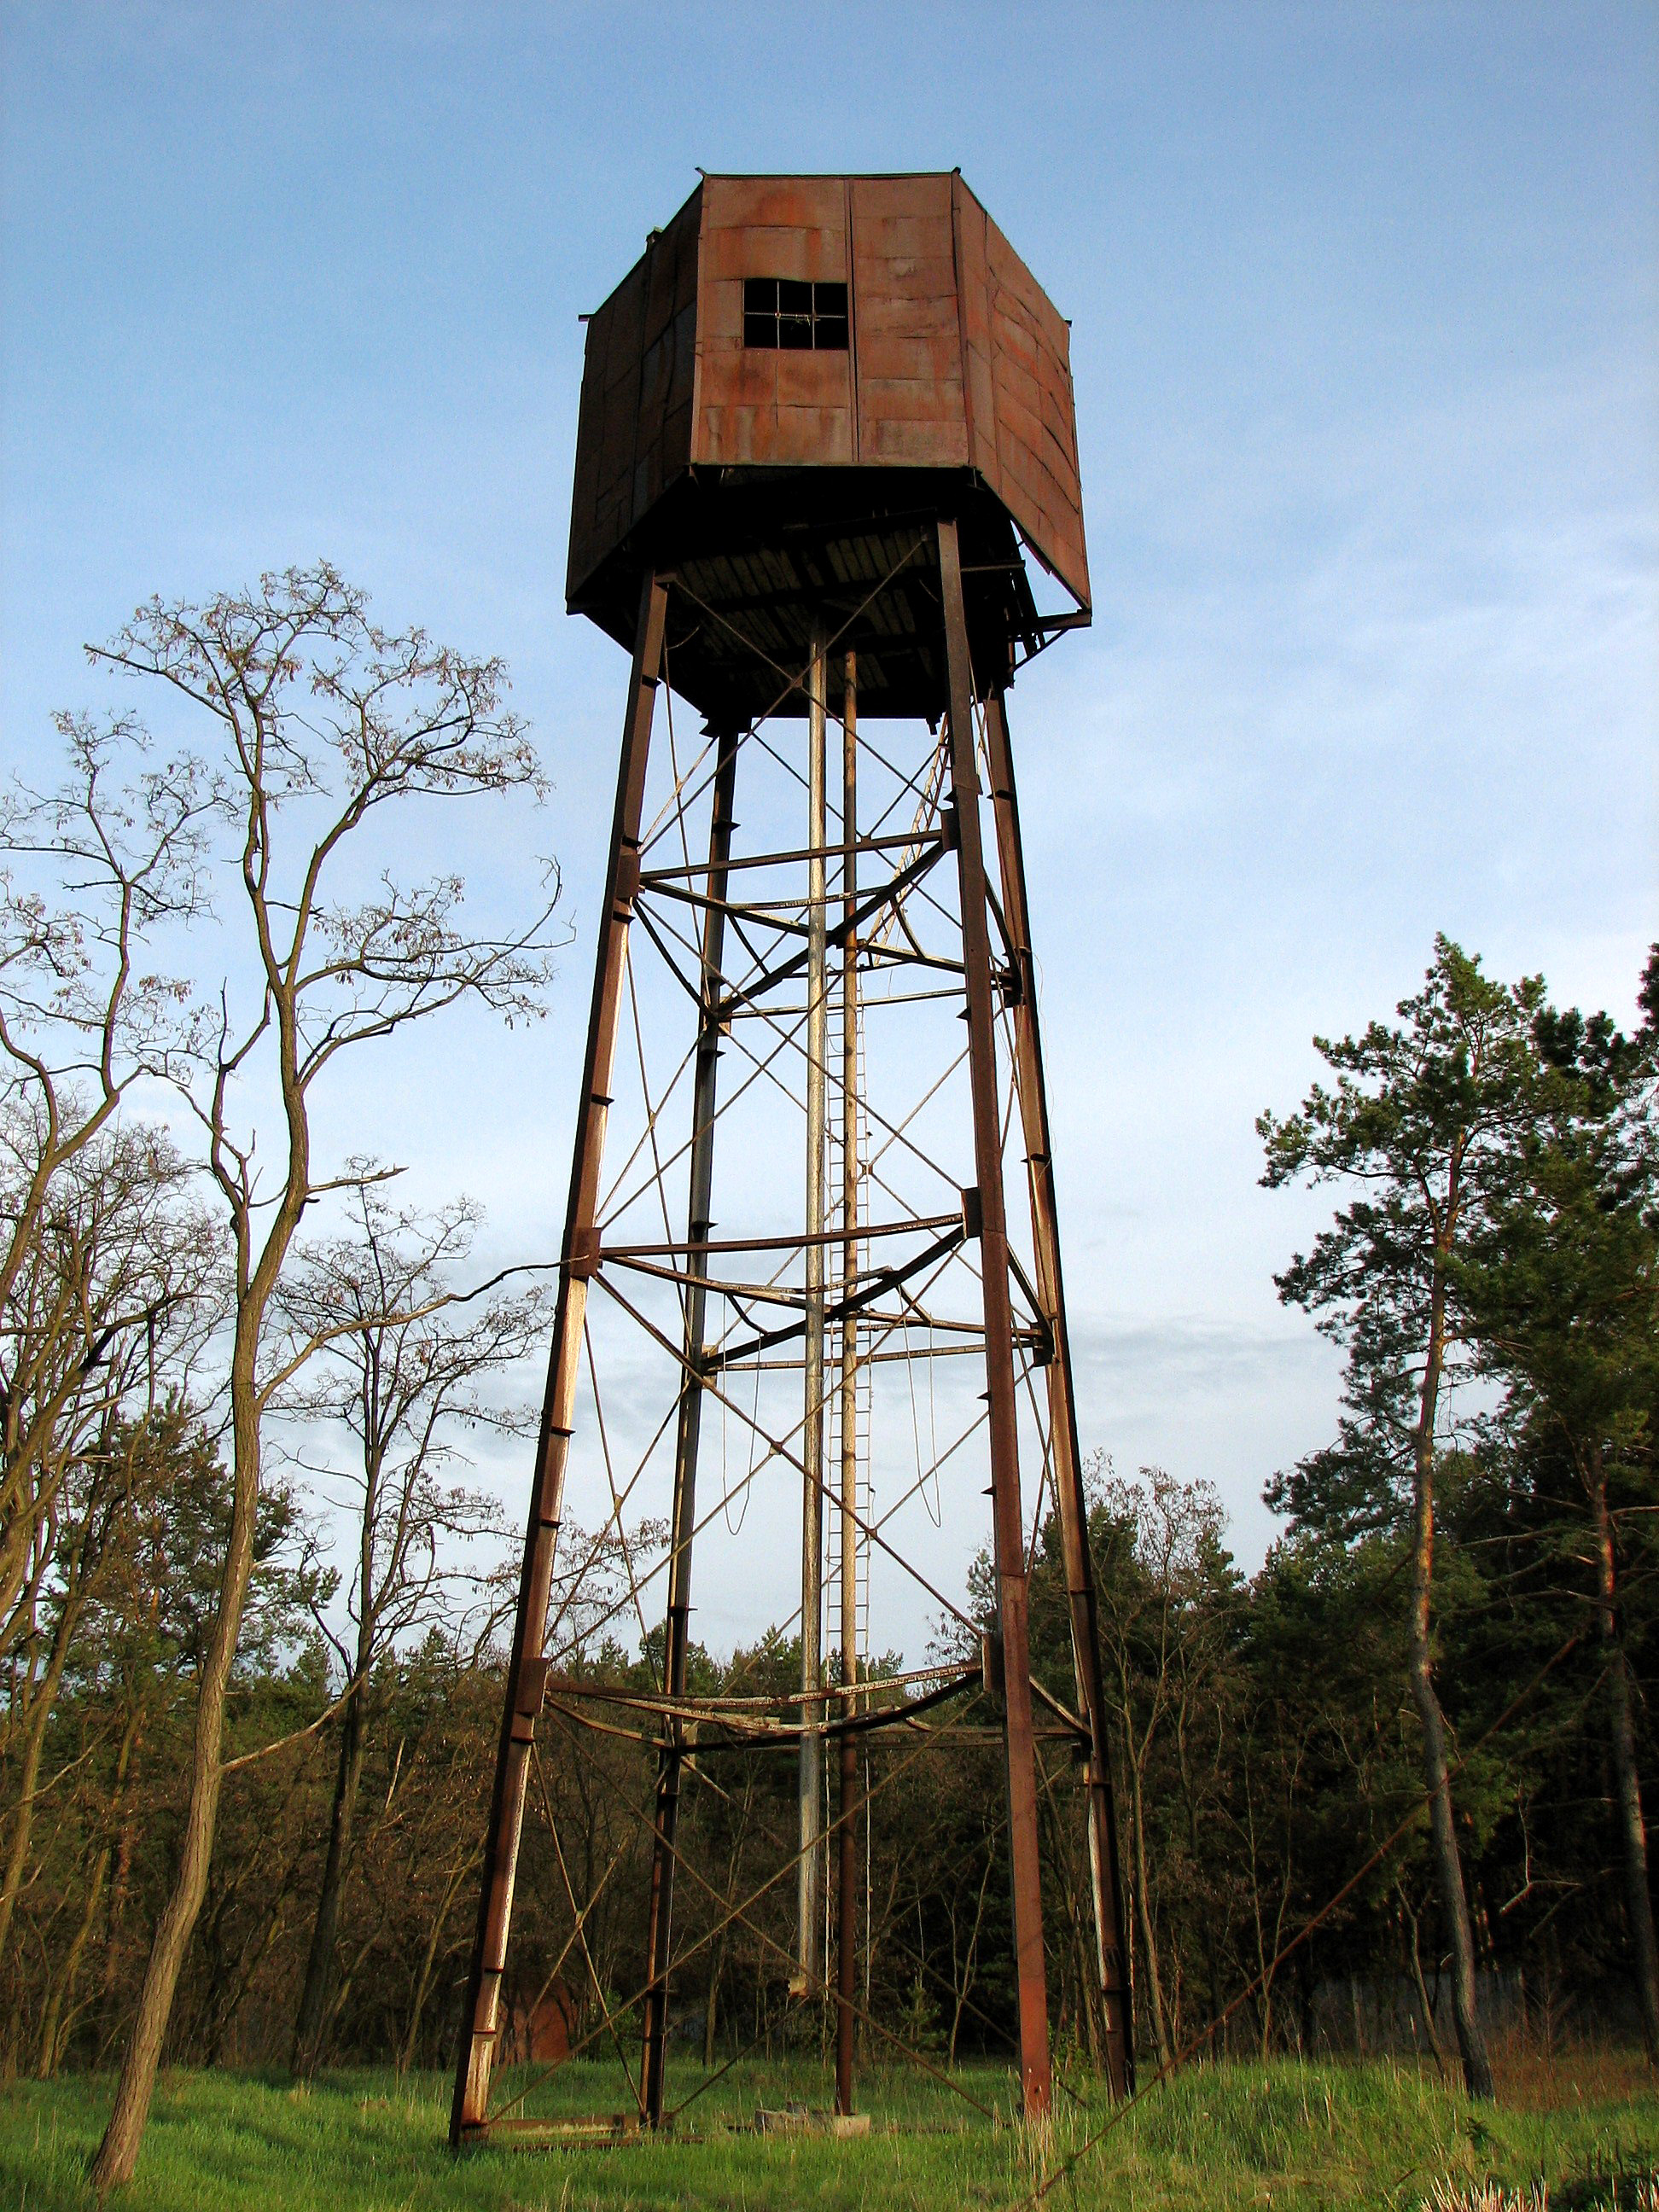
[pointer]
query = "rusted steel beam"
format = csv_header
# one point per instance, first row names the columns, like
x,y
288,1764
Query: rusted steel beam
x,y
847,1914
888,1278
1007,1528
902,841
1111,1952
659,1926
912,1224
888,895
526,1666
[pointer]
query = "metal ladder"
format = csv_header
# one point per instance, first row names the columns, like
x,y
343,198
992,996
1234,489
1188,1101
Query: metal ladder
x,y
863,1497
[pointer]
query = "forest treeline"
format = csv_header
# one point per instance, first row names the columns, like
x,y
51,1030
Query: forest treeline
x,y
1266,1744
244,1778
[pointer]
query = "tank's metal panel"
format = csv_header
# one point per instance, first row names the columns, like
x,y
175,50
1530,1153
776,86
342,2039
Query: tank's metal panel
x,y
667,368
1024,424
958,361
973,311
633,432
762,408
907,334
602,496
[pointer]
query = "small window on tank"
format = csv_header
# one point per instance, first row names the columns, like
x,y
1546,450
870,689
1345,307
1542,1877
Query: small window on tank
x,y
783,313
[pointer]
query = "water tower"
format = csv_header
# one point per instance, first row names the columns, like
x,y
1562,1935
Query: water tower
x,y
826,425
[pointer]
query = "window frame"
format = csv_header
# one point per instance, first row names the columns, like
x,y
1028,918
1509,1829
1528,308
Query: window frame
x,y
803,315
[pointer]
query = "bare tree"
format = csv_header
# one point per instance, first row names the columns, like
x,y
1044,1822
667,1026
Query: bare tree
x,y
89,875
106,1269
1164,1579
410,1372
321,721
106,1309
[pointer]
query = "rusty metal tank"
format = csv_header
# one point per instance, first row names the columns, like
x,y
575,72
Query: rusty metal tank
x,y
798,376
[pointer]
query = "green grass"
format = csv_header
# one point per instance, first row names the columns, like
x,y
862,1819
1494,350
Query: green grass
x,y
1284,2135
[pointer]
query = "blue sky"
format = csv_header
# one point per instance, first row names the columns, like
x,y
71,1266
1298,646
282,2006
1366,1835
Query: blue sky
x,y
1363,308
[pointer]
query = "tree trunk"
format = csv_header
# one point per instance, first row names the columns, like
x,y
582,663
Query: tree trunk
x,y
117,2154
1088,1990
1144,1914
124,1813
711,2008
46,1695
1633,1835
1424,2004
734,1872
1077,1916
58,2017
17,1852
1437,1774
319,1964
459,1874
59,2014
960,1988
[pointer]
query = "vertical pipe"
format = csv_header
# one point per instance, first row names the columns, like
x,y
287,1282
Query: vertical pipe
x,y
810,1871
660,1924
847,1846
526,1672
1111,1953
1007,1524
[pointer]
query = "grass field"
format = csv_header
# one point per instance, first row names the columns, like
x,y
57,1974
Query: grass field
x,y
1285,2134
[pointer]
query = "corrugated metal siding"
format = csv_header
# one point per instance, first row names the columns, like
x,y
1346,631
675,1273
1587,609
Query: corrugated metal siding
x,y
904,310
760,408
633,431
770,598
1023,423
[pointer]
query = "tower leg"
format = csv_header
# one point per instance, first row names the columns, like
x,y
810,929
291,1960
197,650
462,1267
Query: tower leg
x,y
526,1673
1110,1950
660,1927
1008,1533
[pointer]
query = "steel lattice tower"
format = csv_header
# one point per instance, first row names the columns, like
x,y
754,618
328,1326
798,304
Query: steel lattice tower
x,y
823,421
